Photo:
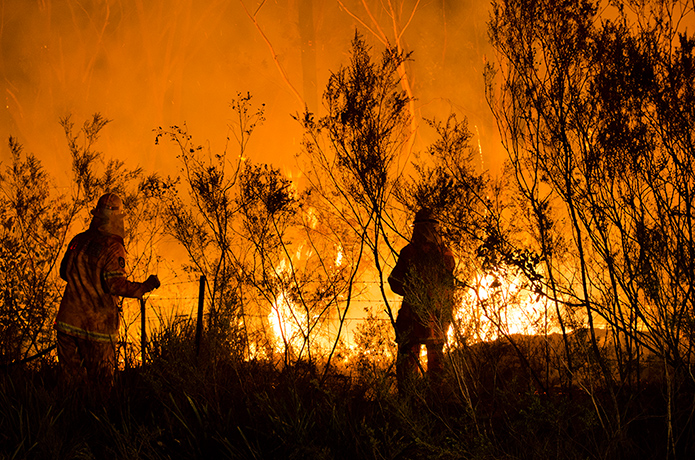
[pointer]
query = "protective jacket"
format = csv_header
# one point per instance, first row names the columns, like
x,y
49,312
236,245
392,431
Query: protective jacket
x,y
94,268
423,275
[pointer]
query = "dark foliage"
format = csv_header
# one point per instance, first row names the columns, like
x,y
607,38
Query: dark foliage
x,y
180,406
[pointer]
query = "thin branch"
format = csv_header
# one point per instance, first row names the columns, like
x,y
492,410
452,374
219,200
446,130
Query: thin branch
x,y
253,19
382,37
410,19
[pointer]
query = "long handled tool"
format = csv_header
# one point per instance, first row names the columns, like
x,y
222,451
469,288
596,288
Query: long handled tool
x,y
143,334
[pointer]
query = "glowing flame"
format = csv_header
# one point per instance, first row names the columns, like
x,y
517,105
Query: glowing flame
x,y
496,306
339,257
312,219
289,327
296,326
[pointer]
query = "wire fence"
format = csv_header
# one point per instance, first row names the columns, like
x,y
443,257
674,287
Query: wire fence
x,y
199,317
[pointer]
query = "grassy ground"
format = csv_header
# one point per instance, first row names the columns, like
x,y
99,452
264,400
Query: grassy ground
x,y
180,407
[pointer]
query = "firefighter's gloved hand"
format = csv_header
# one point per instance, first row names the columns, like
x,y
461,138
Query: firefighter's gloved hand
x,y
152,282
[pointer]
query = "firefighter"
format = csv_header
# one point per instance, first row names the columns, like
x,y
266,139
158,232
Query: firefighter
x,y
87,320
423,275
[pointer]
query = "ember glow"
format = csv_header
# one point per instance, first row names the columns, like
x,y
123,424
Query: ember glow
x,y
289,328
497,306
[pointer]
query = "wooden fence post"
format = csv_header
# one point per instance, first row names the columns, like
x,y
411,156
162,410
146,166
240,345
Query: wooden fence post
x,y
199,324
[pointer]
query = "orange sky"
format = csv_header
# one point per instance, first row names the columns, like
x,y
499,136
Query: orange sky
x,y
150,63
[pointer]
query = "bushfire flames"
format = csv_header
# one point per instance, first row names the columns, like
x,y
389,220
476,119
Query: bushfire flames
x,y
494,306
182,65
491,308
289,327
177,66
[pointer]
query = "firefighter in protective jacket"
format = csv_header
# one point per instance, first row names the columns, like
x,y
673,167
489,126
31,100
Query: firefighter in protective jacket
x,y
87,320
423,275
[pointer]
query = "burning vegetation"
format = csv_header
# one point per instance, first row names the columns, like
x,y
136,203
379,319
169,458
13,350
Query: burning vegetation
x,y
572,329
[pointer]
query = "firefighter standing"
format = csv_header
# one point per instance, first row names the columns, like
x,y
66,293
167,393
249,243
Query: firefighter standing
x,y
423,275
87,320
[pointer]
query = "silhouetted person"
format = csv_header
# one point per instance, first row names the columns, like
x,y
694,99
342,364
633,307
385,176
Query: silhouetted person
x,y
87,320
423,275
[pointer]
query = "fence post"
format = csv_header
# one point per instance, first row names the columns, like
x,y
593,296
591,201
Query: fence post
x,y
199,324
143,333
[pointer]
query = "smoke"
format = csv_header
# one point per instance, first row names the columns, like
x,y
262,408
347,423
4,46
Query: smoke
x,y
150,63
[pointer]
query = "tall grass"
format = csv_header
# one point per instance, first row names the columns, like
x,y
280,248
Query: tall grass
x,y
187,406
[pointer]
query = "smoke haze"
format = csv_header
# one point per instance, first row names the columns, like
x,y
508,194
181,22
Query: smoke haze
x,y
150,63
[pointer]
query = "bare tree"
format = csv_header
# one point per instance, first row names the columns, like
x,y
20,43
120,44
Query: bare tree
x,y
353,155
268,255
594,104
202,211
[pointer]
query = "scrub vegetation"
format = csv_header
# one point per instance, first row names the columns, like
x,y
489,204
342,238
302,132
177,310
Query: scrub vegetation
x,y
575,269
